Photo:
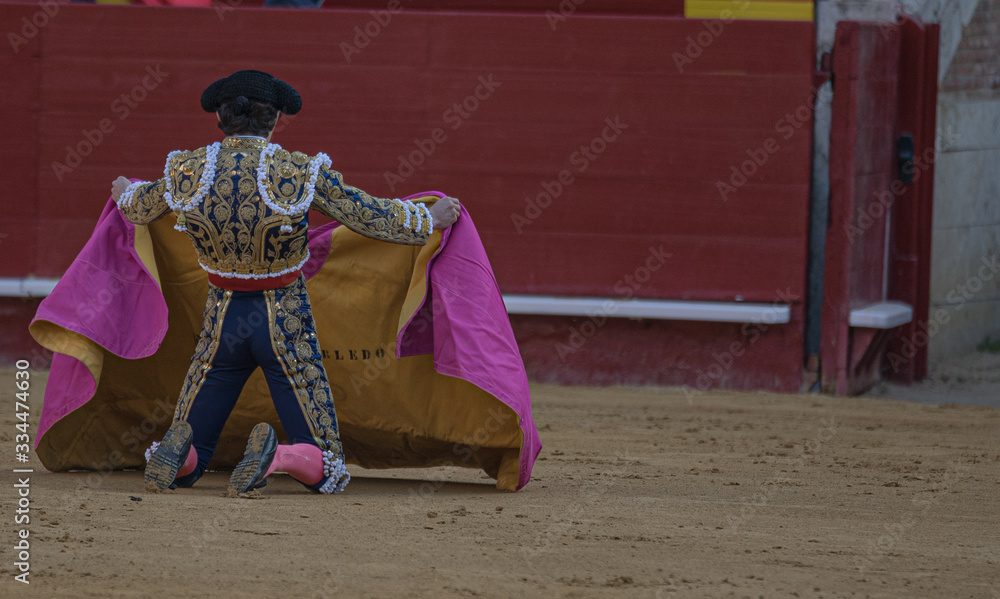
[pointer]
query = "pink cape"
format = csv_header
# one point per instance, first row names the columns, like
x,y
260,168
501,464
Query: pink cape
x,y
470,334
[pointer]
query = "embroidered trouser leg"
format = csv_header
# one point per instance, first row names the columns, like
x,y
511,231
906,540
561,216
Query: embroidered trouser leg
x,y
221,365
272,329
293,365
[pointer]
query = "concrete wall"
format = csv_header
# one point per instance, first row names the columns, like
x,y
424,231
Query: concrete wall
x,y
966,238
967,188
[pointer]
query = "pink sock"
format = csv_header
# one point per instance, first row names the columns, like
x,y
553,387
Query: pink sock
x,y
190,462
304,462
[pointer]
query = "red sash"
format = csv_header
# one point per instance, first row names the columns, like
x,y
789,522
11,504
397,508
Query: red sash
x,y
234,284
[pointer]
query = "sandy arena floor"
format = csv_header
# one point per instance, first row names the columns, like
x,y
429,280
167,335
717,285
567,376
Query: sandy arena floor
x,y
637,493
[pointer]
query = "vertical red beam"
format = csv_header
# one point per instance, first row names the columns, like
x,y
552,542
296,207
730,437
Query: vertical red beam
x,y
843,130
862,172
912,214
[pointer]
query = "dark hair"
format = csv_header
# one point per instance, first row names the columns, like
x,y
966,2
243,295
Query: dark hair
x,y
243,116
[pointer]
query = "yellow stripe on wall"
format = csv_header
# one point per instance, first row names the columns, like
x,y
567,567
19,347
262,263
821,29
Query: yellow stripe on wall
x,y
791,10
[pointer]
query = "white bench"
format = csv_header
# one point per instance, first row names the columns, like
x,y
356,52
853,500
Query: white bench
x,y
883,315
560,306
644,308
26,287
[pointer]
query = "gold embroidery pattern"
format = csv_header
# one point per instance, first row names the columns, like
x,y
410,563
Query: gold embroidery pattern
x,y
148,205
236,233
244,143
204,352
295,344
362,213
232,230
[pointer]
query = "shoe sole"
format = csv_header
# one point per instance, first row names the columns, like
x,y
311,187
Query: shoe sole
x,y
250,472
162,467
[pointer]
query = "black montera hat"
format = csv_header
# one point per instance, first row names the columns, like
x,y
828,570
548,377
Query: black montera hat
x,y
253,85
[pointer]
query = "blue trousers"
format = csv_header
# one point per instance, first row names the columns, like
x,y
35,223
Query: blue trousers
x,y
244,330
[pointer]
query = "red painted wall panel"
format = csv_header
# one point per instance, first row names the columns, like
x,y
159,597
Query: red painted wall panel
x,y
18,228
697,356
685,132
567,8
693,115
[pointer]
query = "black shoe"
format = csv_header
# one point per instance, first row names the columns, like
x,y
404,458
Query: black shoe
x,y
168,457
251,472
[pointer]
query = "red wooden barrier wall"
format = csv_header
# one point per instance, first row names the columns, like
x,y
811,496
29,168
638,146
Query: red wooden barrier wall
x,y
519,103
862,146
885,85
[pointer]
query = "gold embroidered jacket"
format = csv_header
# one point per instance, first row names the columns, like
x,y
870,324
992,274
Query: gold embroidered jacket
x,y
248,218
